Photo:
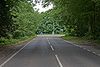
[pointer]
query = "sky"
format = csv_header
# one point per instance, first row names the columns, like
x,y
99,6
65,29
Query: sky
x,y
40,8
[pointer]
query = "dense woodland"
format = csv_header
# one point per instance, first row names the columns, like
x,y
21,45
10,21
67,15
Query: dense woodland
x,y
16,18
73,17
81,17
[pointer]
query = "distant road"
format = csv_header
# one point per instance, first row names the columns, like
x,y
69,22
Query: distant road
x,y
51,51
57,35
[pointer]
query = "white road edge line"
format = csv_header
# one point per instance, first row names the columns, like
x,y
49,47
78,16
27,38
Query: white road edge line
x,y
83,48
60,64
14,55
52,48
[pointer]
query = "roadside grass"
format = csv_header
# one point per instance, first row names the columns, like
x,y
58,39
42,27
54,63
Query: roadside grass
x,y
82,41
76,40
8,42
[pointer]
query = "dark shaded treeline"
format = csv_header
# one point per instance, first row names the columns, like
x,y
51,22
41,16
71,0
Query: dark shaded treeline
x,y
17,18
6,22
81,17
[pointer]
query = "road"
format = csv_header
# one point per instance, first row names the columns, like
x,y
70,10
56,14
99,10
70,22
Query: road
x,y
51,51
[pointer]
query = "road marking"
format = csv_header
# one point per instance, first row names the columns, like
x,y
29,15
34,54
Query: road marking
x,y
94,52
14,54
88,50
49,42
83,48
59,62
52,47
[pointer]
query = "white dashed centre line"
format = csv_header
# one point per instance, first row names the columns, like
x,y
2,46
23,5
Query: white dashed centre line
x,y
49,43
52,48
58,60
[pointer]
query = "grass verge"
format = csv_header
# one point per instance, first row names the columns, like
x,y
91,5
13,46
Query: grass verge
x,y
8,42
82,41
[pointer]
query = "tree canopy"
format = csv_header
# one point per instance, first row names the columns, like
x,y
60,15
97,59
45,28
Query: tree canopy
x,y
73,17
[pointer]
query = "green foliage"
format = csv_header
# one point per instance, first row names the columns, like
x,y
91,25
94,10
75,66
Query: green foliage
x,y
50,23
25,24
81,17
7,42
17,19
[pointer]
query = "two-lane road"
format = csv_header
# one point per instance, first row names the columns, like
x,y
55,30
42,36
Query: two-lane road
x,y
51,51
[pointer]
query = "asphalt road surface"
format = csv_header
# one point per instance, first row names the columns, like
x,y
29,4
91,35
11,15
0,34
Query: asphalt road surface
x,y
51,51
